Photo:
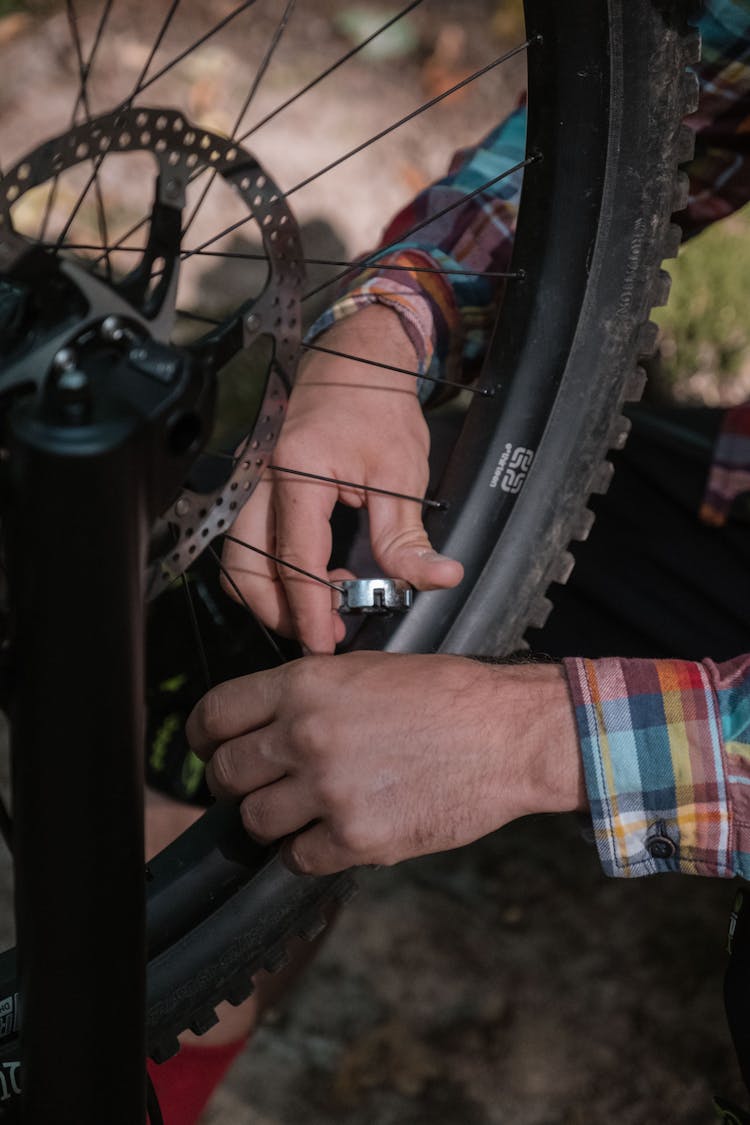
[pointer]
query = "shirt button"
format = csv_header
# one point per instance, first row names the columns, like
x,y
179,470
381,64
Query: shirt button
x,y
660,847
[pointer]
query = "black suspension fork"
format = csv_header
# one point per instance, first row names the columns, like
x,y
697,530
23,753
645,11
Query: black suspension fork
x,y
90,465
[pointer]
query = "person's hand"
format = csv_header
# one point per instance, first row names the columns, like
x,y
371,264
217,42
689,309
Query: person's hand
x,y
372,758
353,423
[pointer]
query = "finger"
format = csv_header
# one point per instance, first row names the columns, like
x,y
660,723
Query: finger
x,y
303,538
251,576
245,764
278,810
233,709
402,548
315,852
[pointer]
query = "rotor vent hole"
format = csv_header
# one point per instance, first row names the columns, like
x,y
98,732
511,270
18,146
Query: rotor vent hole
x,y
82,150
161,145
190,137
145,137
260,183
161,123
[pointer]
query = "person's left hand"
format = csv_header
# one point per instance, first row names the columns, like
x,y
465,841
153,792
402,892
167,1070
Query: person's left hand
x,y
372,758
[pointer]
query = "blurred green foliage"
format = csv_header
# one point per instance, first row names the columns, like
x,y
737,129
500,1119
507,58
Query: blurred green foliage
x,y
706,325
8,6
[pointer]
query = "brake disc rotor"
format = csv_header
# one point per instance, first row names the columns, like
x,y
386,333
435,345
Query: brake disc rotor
x,y
181,152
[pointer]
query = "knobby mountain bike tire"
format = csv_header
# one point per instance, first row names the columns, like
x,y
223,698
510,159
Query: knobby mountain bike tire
x,y
608,88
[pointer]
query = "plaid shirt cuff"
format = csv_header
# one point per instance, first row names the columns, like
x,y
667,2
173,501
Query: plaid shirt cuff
x,y
652,746
400,293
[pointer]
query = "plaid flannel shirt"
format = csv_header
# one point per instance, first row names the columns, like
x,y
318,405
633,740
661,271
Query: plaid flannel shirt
x,y
665,743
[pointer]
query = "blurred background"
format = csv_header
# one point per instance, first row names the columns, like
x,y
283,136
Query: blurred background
x,y
509,982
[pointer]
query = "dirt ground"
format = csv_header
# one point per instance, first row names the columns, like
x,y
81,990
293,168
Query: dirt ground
x,y
508,982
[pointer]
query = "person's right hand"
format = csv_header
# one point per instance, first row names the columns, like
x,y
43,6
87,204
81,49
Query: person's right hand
x,y
353,423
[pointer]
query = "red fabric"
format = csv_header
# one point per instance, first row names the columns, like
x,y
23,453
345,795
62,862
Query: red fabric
x,y
186,1082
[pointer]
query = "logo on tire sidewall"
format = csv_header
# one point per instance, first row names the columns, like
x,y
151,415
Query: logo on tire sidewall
x,y
512,468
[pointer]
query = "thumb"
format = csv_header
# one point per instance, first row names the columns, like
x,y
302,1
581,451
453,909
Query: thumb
x,y
401,547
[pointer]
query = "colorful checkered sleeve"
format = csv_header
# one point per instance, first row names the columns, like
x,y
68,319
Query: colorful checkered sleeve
x,y
666,751
448,316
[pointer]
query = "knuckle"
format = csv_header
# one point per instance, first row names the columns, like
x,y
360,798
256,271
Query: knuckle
x,y
224,769
307,734
209,715
302,861
353,838
256,818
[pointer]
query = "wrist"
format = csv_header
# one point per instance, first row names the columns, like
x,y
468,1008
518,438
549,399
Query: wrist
x,y
550,766
375,333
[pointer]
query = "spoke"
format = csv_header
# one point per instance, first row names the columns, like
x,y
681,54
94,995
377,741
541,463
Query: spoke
x,y
451,207
166,23
246,256
266,632
371,259
438,505
482,392
409,117
52,194
330,70
200,647
82,101
265,63
144,84
287,565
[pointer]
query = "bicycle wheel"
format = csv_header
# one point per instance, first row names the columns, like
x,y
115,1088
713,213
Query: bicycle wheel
x,y
607,89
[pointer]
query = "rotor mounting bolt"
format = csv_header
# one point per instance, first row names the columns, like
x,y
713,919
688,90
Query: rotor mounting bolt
x,y
252,323
112,330
182,507
172,189
65,360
